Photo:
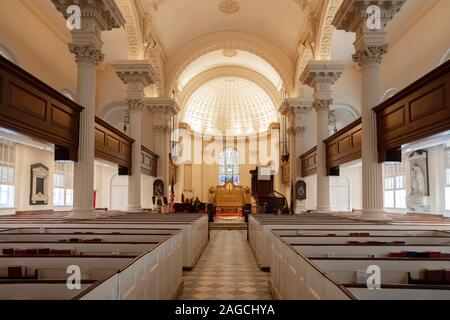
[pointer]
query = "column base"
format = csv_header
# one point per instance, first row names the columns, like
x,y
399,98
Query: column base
x,y
300,207
134,209
82,214
323,209
375,215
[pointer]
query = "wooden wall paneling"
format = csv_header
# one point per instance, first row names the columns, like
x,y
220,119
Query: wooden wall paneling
x,y
30,107
419,111
309,162
112,145
344,146
149,162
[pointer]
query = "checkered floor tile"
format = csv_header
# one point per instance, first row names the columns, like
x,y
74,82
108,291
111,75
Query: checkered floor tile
x,y
227,270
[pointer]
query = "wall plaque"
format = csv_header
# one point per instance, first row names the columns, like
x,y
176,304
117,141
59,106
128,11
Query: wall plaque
x,y
300,190
38,185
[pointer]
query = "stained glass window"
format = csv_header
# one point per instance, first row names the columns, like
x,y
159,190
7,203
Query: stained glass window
x,y
229,166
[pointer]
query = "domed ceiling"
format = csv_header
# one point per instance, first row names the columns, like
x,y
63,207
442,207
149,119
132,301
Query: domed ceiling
x,y
235,106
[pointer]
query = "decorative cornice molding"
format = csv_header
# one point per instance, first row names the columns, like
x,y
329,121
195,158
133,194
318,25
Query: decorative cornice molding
x,y
322,74
326,30
133,29
162,105
105,13
135,71
352,14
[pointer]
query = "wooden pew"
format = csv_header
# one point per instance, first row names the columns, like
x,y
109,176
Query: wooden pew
x,y
259,229
195,226
307,272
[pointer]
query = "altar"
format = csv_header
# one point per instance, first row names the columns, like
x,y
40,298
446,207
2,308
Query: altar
x,y
229,202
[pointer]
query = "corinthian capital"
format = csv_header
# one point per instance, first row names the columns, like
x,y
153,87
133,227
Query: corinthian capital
x,y
86,53
322,104
135,105
370,53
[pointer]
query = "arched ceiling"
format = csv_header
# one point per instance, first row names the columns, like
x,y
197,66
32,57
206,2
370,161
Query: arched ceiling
x,y
233,105
180,21
231,57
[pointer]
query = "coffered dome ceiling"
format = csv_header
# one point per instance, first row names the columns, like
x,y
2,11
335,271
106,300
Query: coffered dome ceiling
x,y
235,106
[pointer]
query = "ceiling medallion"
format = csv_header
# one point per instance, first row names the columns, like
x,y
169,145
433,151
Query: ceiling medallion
x,y
229,6
230,53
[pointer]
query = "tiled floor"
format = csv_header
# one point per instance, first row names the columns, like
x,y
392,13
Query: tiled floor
x,y
227,270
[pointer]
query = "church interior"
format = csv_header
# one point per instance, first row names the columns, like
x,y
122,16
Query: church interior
x,y
224,150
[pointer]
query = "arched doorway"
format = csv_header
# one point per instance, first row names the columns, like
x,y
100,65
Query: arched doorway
x,y
119,192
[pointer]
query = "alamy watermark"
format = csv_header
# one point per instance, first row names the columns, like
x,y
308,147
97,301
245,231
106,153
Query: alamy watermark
x,y
73,21
74,279
373,277
373,18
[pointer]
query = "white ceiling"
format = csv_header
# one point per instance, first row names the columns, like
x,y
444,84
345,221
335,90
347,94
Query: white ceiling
x,y
180,21
242,59
233,105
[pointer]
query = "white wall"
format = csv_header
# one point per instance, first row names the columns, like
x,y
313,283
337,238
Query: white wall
x,y
354,174
40,43
25,157
423,40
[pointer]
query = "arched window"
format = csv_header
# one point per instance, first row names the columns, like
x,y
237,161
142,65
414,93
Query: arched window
x,y
229,166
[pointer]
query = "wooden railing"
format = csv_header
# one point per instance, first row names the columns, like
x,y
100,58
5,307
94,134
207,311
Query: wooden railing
x,y
309,162
31,107
149,163
113,145
344,146
418,111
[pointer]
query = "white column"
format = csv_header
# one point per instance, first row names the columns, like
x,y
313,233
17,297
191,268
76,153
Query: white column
x,y
83,183
86,46
136,74
134,180
295,110
369,59
321,75
163,109
323,181
370,45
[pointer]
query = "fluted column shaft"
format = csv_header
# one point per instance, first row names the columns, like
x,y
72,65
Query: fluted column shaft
x,y
372,175
134,181
83,182
323,181
370,47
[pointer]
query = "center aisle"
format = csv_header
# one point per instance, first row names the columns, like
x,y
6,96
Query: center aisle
x,y
227,270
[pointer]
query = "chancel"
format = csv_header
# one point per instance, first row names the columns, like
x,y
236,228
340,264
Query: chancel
x,y
225,150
